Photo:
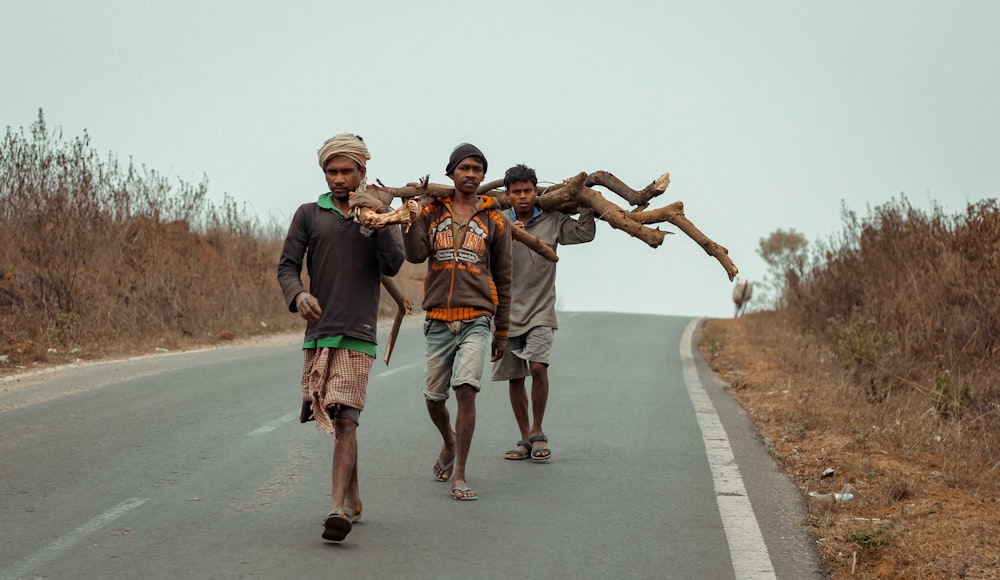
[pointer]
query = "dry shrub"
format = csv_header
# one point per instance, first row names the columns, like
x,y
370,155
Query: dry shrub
x,y
95,256
906,302
100,259
918,510
881,364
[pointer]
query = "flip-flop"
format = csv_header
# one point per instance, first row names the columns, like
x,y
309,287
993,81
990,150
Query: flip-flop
x,y
443,469
517,452
462,494
355,517
545,452
336,526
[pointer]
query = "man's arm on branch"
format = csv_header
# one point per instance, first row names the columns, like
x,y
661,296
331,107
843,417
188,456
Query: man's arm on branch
x,y
580,230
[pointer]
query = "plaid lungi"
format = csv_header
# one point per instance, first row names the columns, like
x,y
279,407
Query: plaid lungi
x,y
334,376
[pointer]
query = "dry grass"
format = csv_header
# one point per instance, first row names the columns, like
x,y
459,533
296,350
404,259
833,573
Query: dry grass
x,y
881,365
101,260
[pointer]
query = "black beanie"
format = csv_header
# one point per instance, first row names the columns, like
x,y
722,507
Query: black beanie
x,y
461,152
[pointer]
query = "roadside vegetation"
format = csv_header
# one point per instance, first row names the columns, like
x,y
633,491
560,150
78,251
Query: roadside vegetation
x,y
874,364
99,257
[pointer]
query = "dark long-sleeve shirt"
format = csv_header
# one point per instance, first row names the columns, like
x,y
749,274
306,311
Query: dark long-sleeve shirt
x,y
344,268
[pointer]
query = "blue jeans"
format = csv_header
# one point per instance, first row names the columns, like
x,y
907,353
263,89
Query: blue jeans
x,y
456,355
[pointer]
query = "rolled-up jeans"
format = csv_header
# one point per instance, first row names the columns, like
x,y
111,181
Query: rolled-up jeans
x,y
456,355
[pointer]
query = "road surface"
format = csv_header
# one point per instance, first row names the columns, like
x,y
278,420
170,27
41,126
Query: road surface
x,y
194,465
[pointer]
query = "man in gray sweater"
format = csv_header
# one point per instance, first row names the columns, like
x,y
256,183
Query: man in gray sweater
x,y
533,308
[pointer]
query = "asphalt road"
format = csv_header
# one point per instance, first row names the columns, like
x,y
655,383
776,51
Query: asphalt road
x,y
194,465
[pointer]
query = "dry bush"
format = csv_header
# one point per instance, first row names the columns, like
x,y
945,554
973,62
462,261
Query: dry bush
x,y
96,256
100,259
906,302
880,364
917,511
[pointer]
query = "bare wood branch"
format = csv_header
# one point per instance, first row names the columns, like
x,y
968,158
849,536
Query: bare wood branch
x,y
638,198
373,219
577,191
403,307
533,242
674,213
611,213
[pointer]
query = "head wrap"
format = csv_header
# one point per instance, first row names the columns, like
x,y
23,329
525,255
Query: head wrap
x,y
461,152
345,144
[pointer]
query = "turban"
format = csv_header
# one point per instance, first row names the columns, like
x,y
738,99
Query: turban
x,y
461,152
345,144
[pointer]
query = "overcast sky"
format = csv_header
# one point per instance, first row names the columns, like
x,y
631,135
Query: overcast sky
x,y
767,115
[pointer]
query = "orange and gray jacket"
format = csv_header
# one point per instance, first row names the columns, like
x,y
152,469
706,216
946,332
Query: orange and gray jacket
x,y
468,275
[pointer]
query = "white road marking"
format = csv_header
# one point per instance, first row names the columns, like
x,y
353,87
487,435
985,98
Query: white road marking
x,y
27,565
272,425
389,372
746,544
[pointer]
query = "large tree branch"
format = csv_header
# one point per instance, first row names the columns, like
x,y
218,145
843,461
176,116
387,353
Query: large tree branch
x,y
577,191
403,307
674,213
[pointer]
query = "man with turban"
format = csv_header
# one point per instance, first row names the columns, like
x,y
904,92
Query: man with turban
x,y
466,242
345,263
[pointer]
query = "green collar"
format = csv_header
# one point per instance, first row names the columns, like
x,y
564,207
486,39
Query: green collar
x,y
325,201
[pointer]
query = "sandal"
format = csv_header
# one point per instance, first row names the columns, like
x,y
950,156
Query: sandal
x,y
442,472
464,494
520,451
336,526
542,453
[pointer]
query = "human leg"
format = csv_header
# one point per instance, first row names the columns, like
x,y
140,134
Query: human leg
x,y
539,399
519,405
512,368
537,350
345,455
470,360
441,345
438,412
465,426
345,501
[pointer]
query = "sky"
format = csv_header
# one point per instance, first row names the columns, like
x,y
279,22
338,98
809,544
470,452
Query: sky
x,y
768,115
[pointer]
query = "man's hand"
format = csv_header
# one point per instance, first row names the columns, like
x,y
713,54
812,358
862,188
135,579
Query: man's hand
x,y
499,345
306,414
413,207
307,306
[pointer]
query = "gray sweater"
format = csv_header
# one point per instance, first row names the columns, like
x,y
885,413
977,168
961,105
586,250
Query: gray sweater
x,y
533,295
344,267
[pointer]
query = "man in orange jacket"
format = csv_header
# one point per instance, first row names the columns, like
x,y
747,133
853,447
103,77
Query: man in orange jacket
x,y
467,244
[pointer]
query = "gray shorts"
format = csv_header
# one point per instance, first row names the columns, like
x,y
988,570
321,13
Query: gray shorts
x,y
456,355
532,346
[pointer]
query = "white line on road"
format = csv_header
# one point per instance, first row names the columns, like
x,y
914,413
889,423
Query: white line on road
x,y
394,371
746,544
272,425
25,566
